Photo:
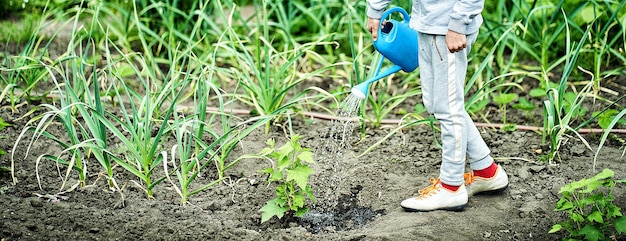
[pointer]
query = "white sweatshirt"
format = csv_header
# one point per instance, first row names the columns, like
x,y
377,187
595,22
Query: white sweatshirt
x,y
438,16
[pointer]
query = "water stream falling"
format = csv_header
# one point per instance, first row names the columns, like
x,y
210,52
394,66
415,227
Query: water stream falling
x,y
338,138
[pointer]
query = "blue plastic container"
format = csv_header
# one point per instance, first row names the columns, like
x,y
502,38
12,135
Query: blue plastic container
x,y
397,41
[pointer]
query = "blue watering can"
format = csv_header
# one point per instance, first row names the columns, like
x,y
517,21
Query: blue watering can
x,y
397,41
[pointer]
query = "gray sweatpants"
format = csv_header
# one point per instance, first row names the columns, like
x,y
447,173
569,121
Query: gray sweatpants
x,y
442,76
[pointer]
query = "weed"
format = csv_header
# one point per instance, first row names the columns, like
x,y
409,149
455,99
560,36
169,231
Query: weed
x,y
503,100
589,205
526,106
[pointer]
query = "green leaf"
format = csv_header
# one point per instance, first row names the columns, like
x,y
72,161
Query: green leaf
x,y
524,104
605,118
590,232
595,216
271,209
563,204
271,143
537,92
555,228
476,107
509,127
306,156
576,217
606,173
3,124
503,99
301,212
276,176
620,224
300,175
588,14
420,108
309,192
298,202
285,149
266,151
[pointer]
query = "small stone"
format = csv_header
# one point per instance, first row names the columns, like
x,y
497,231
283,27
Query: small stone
x,y
537,168
36,203
556,188
515,192
94,230
523,173
578,149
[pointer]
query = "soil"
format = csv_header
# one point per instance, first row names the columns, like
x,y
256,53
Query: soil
x,y
368,193
366,188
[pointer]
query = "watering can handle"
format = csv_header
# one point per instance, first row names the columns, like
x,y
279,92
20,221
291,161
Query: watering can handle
x,y
405,15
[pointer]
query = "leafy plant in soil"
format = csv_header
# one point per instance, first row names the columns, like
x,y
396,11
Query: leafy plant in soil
x,y
503,100
526,106
291,172
589,205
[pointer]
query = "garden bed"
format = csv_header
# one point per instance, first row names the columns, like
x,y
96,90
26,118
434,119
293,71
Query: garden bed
x,y
256,82
371,187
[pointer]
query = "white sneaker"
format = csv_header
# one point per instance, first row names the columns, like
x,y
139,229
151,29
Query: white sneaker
x,y
496,184
436,197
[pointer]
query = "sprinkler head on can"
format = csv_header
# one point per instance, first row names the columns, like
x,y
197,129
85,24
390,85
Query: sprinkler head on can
x,y
360,90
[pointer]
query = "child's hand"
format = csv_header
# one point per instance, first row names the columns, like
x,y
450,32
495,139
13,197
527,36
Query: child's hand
x,y
372,26
455,41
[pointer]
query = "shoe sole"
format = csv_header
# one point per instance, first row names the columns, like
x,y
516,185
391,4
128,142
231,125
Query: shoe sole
x,y
492,192
453,208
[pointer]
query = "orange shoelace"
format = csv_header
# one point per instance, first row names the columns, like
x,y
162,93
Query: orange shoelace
x,y
469,178
430,190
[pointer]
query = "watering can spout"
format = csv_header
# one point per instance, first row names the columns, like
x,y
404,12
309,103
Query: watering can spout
x,y
360,90
397,41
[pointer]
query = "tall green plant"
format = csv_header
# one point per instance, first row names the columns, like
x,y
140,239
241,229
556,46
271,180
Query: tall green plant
x,y
82,135
192,155
607,37
558,115
268,77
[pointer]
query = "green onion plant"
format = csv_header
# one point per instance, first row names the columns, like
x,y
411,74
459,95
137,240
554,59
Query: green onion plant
x,y
558,120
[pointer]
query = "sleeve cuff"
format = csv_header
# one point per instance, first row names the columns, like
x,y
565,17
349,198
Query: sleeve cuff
x,y
373,13
457,25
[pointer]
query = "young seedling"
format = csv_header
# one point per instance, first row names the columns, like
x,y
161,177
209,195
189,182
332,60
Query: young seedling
x,y
503,100
526,106
291,173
